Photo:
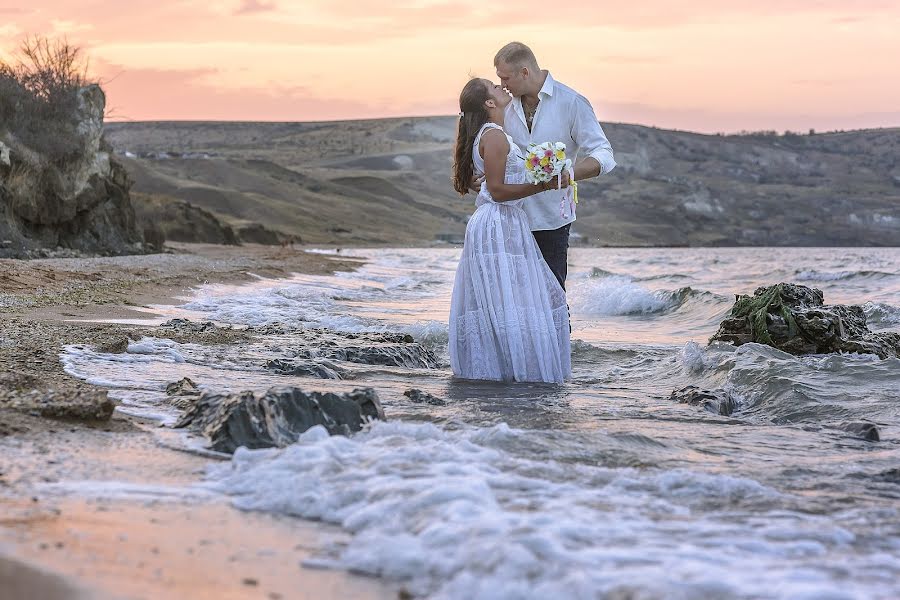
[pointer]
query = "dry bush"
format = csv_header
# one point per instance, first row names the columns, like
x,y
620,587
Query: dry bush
x,y
38,97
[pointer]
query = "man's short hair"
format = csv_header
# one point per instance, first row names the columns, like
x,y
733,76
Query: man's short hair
x,y
516,54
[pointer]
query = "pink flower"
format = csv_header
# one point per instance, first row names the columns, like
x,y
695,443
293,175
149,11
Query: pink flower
x,y
548,153
535,161
548,169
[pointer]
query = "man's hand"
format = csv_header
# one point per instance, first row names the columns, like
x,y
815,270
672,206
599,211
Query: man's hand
x,y
475,184
555,184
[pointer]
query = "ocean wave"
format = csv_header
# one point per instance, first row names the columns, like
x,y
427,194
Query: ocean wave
x,y
825,389
455,515
814,275
618,295
882,316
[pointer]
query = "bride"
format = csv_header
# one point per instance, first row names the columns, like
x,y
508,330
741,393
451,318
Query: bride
x,y
508,315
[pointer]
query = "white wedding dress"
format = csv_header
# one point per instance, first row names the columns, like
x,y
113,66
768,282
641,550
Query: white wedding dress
x,y
508,315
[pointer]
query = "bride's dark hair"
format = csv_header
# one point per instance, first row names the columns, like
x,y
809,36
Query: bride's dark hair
x,y
474,115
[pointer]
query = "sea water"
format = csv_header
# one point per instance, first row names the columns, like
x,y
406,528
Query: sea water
x,y
602,487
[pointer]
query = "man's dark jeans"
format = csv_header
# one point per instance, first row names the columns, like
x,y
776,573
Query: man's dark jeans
x,y
554,245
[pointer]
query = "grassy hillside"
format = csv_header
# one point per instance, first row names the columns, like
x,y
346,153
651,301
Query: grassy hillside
x,y
387,182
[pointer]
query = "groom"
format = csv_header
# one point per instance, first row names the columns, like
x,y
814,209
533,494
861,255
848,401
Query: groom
x,y
544,110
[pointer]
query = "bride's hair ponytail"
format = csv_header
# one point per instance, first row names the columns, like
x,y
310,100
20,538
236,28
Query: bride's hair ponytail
x,y
473,114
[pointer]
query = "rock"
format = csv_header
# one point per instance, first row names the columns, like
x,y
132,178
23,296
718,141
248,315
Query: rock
x,y
27,393
866,431
256,233
278,417
184,387
890,476
188,326
718,402
794,319
183,394
116,345
180,221
311,368
412,356
420,397
388,349
80,202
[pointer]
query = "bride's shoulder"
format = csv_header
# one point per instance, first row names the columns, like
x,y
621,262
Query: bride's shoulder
x,y
494,136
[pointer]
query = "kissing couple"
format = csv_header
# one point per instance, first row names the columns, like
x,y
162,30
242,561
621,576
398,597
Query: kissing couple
x,y
508,315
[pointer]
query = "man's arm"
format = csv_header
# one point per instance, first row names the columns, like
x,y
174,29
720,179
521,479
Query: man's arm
x,y
596,152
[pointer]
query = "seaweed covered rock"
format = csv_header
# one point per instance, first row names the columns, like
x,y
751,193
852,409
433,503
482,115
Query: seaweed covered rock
x,y
795,319
278,417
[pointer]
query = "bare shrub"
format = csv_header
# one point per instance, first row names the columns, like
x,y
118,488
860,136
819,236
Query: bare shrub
x,y
38,97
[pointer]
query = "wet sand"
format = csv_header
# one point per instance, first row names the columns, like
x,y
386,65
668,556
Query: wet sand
x,y
65,540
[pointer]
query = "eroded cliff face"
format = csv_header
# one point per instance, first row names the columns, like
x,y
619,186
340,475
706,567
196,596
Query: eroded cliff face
x,y
81,203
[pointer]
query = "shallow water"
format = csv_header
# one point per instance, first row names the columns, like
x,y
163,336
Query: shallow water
x,y
599,486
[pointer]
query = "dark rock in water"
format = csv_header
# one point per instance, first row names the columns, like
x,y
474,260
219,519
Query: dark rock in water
x,y
184,387
278,417
420,397
188,326
309,368
890,476
388,349
717,402
114,345
183,394
794,319
412,356
866,431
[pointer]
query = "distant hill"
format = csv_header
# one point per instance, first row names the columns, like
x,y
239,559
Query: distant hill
x,y
388,182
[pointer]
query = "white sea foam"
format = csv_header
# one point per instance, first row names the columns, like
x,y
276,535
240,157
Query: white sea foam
x,y
616,295
693,357
456,516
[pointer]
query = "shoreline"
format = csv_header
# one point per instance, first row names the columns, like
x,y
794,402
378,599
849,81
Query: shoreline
x,y
92,544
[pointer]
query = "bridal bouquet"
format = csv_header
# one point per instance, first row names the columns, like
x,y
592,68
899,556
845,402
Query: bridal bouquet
x,y
546,161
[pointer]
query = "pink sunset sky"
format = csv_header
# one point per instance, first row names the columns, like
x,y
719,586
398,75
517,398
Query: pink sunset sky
x,y
703,65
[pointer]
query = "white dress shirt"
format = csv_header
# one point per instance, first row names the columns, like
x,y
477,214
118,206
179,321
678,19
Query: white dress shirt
x,y
563,115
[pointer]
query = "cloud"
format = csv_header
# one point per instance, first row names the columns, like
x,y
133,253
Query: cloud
x,y
63,27
248,7
194,95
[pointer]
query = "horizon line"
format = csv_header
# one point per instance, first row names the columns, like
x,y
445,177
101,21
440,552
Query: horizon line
x,y
447,116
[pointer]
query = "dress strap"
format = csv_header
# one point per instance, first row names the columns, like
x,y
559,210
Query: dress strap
x,y
479,162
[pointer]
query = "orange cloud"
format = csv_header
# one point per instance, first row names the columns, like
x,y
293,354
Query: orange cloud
x,y
703,64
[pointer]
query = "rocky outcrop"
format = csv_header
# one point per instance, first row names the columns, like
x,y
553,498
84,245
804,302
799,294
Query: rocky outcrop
x,y
794,319
256,233
80,201
181,221
278,417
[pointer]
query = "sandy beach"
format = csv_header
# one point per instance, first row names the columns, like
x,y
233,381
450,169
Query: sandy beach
x,y
56,542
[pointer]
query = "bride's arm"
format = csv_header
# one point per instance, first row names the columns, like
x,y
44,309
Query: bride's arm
x,y
494,149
